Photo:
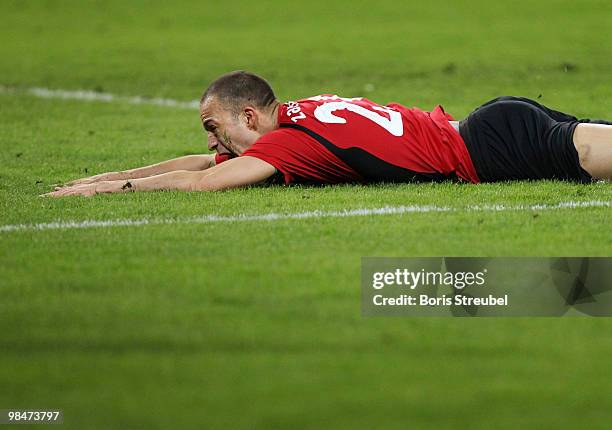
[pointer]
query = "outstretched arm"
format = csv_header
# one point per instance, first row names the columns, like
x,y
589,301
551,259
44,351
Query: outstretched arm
x,y
234,173
187,162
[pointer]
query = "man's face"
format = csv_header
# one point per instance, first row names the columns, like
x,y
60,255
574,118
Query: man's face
x,y
227,134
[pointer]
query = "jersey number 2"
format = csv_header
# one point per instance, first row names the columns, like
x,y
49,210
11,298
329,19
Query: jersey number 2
x,y
394,125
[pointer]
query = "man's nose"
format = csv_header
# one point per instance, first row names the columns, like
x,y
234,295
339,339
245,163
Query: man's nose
x,y
212,141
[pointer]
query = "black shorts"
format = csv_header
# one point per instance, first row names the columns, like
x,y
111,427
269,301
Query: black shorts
x,y
513,138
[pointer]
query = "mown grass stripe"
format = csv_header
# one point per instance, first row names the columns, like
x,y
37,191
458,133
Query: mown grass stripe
x,y
94,96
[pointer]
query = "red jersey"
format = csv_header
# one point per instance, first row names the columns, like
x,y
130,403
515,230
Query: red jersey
x,y
330,139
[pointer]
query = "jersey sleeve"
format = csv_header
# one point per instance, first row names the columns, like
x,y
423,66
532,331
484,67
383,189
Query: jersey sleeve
x,y
300,158
273,149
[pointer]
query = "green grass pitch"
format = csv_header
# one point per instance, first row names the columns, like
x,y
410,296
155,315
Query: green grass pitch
x,y
258,324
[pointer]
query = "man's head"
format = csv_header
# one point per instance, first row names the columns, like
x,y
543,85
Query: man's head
x,y
236,109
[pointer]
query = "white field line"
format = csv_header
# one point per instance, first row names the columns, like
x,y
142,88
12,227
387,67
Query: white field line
x,y
89,96
386,210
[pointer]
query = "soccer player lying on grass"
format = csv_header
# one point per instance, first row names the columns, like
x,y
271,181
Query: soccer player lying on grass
x,y
328,139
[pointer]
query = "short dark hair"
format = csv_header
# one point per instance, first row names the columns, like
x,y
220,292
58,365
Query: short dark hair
x,y
240,88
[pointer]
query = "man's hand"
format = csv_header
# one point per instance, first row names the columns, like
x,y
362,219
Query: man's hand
x,y
89,190
110,176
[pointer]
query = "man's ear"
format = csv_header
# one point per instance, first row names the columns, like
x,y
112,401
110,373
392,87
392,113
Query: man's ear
x,y
252,120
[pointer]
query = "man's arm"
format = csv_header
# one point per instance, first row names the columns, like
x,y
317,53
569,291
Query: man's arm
x,y
187,162
234,173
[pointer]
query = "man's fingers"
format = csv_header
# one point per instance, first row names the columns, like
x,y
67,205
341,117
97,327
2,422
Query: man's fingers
x,y
64,193
59,191
86,190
